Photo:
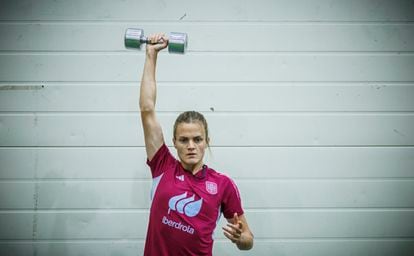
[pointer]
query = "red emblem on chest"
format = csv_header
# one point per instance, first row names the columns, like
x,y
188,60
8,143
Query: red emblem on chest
x,y
211,187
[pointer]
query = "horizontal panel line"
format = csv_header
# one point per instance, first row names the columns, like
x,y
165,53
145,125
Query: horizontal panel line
x,y
69,241
251,179
210,53
407,113
257,239
246,209
331,239
213,146
169,22
328,239
136,83
330,179
74,210
330,209
210,113
74,180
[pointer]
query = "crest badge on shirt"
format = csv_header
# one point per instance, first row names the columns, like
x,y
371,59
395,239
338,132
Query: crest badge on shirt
x,y
211,187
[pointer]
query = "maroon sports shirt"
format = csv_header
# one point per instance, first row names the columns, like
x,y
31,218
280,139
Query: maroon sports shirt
x,y
185,208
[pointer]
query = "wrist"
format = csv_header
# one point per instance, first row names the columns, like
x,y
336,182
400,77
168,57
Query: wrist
x,y
151,54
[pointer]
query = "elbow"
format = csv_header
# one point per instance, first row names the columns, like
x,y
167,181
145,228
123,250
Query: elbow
x,y
247,243
146,106
246,247
146,109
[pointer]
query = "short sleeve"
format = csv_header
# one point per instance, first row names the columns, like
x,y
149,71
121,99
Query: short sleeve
x,y
161,161
231,202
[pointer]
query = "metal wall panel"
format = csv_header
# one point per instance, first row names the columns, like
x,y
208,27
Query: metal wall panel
x,y
310,106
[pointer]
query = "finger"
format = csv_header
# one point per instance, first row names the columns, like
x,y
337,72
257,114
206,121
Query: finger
x,y
238,221
230,237
153,38
233,231
236,217
236,228
159,36
240,225
228,230
150,38
156,39
163,41
163,38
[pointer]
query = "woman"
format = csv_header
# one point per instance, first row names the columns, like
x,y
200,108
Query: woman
x,y
187,196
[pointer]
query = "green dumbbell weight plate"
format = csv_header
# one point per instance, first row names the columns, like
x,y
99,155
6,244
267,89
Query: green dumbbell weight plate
x,y
177,42
133,38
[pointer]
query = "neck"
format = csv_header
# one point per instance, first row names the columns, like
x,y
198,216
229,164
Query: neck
x,y
193,168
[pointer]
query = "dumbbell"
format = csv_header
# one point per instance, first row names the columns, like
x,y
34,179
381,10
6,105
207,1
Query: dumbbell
x,y
177,42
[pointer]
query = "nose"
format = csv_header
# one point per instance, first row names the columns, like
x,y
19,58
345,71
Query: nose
x,y
191,145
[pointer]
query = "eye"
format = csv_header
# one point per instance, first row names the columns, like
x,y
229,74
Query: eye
x,y
198,139
183,140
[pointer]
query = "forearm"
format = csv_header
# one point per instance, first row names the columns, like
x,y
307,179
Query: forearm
x,y
148,90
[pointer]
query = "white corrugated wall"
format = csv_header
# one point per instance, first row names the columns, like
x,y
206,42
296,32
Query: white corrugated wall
x,y
310,105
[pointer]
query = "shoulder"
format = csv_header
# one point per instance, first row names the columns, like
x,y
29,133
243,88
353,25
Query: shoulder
x,y
162,152
162,161
221,177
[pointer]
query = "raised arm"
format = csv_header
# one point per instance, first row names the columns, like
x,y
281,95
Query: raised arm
x,y
148,93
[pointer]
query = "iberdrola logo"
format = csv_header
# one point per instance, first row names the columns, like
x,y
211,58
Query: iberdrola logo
x,y
185,205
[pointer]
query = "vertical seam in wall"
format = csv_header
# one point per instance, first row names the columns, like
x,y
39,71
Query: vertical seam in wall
x,y
36,191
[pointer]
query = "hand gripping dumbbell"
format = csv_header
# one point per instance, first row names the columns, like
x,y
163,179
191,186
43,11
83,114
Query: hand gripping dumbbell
x,y
134,38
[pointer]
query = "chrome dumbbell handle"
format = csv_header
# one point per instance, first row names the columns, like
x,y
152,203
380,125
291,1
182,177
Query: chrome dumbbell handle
x,y
145,40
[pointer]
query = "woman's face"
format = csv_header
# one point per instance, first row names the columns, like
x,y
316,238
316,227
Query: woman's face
x,y
190,142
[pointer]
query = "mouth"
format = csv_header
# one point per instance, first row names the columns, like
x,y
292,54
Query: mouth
x,y
192,155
